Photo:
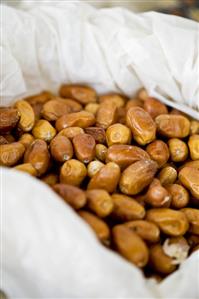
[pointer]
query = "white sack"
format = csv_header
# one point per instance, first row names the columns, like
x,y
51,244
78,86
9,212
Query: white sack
x,y
110,49
47,251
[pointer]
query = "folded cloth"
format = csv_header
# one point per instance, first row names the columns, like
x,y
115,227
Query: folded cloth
x,y
110,49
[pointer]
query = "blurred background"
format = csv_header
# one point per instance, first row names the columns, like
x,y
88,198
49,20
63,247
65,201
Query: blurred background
x,y
185,8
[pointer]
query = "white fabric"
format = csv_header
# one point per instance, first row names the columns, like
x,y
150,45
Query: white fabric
x,y
44,44
47,251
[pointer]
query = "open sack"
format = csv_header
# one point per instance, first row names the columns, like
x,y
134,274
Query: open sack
x,y
47,250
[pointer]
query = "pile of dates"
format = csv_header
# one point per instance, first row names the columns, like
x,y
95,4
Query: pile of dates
x,y
129,167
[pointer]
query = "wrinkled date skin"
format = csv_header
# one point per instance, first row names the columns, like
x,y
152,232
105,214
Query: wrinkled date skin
x,y
173,126
167,175
73,105
82,94
130,245
179,196
54,109
73,172
84,146
194,146
126,208
27,115
154,107
94,167
189,177
116,99
157,196
171,222
106,115
82,119
141,124
61,148
128,167
43,130
178,150
100,202
159,152
11,153
118,134
38,155
106,178
9,118
145,229
71,132
193,219
137,176
97,133
161,262
125,155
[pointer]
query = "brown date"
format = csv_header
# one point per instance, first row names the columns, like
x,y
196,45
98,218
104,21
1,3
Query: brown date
x,y
106,178
125,155
82,119
137,176
84,146
130,245
97,133
10,154
106,115
154,107
141,124
61,148
173,126
189,177
159,152
38,155
82,94
9,118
